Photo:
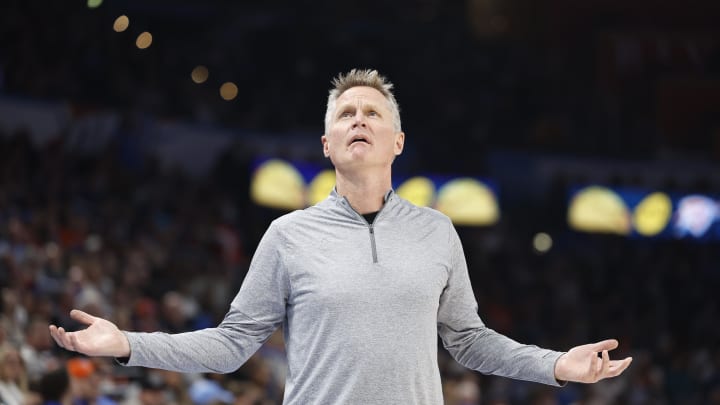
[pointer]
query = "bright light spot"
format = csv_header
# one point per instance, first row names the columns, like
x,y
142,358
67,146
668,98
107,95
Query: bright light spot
x,y
652,214
278,184
418,190
121,23
228,91
94,3
144,40
542,242
599,209
199,74
467,201
320,186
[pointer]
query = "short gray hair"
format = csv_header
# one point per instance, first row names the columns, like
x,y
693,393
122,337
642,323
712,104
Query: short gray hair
x,y
365,78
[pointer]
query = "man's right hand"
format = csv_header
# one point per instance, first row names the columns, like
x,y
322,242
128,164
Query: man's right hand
x,y
100,338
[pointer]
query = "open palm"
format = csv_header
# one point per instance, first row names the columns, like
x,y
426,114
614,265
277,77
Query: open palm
x,y
100,338
582,363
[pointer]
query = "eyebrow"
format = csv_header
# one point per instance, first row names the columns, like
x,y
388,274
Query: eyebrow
x,y
353,106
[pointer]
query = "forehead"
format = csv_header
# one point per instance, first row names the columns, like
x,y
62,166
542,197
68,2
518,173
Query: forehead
x,y
362,94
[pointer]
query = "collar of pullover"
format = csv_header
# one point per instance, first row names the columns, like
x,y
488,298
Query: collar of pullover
x,y
343,202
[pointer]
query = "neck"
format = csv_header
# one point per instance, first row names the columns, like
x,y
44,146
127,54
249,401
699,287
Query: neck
x,y
366,194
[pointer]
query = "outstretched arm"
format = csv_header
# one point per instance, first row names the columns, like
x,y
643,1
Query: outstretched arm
x,y
257,310
583,364
475,346
100,338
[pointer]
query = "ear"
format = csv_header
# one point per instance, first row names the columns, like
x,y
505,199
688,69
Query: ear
x,y
326,146
399,142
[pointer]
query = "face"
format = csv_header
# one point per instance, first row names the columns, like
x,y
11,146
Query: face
x,y
11,366
361,132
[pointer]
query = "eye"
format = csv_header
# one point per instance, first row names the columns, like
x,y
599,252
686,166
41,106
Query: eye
x,y
373,113
346,114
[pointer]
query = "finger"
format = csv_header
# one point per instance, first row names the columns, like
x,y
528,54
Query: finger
x,y
54,334
608,344
74,342
62,337
65,339
615,371
594,365
82,317
605,362
618,366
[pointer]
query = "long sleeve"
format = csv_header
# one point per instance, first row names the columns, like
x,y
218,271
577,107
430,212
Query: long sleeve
x,y
476,346
257,310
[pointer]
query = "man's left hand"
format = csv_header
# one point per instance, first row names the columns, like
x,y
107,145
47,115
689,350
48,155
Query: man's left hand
x,y
585,363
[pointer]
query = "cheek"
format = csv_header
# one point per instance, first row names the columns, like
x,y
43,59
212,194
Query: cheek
x,y
328,146
331,147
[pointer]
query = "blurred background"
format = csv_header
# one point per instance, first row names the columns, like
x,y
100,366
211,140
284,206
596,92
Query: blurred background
x,y
131,134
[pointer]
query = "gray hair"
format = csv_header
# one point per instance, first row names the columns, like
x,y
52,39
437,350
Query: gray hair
x,y
357,78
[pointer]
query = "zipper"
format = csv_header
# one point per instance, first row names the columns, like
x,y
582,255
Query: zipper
x,y
371,227
372,243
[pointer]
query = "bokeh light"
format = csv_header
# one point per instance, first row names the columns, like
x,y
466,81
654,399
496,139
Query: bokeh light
x,y
599,209
121,23
418,190
144,40
468,202
652,214
94,3
321,186
278,184
542,242
199,74
228,91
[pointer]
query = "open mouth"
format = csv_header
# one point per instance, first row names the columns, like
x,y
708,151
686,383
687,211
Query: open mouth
x,y
359,139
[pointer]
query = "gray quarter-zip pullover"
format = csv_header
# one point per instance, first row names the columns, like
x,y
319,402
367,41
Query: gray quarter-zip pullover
x,y
361,306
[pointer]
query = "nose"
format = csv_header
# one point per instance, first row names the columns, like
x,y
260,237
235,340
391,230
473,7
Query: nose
x,y
359,119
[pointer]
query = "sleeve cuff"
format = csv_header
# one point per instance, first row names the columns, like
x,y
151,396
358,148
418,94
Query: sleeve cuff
x,y
123,361
560,383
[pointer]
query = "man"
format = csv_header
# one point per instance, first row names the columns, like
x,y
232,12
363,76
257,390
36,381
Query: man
x,y
362,284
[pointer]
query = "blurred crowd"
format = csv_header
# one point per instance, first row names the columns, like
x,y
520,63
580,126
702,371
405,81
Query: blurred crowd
x,y
155,250
470,75
148,251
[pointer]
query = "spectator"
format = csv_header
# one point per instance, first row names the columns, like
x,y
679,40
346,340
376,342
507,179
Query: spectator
x,y
54,387
13,376
86,383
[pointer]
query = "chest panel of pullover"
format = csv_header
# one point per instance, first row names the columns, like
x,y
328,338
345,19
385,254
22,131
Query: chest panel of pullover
x,y
382,308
